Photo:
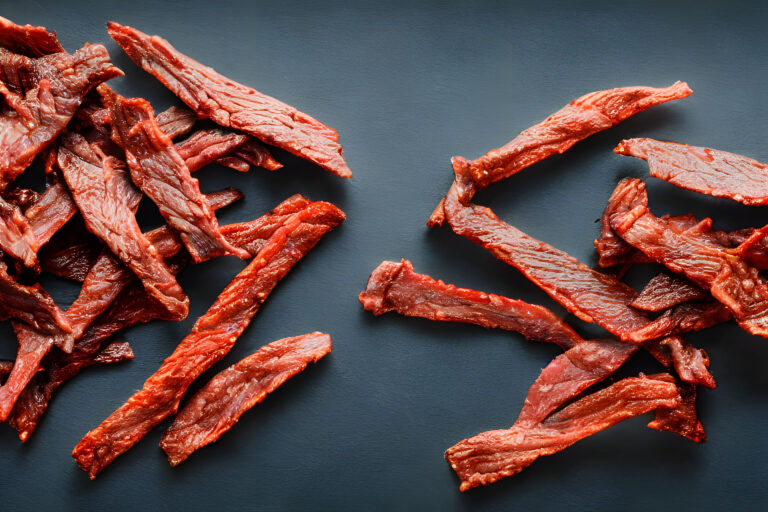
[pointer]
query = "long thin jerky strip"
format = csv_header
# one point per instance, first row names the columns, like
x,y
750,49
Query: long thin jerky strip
x,y
219,404
27,39
233,105
211,338
213,145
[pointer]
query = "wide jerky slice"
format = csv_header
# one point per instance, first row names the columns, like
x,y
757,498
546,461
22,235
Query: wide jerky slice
x,y
729,278
704,170
176,121
50,212
490,456
213,144
233,105
396,287
219,404
98,188
664,291
45,93
211,338
27,39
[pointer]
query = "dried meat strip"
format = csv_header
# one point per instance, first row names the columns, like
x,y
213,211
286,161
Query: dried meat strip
x,y
690,363
16,236
212,145
219,404
704,170
30,304
256,154
233,105
50,212
664,291
211,338
27,39
162,174
683,419
176,121
98,187
729,279
396,287
490,456
47,92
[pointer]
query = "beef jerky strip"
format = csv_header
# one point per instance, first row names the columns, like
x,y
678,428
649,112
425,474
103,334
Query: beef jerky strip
x,y
704,170
216,408
176,121
490,456
729,278
211,338
233,105
211,145
16,236
683,419
585,116
161,173
396,287
30,304
664,291
27,39
53,87
99,187
70,261
133,306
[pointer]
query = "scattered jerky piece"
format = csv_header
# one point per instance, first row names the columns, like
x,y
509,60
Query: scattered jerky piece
x,y
234,162
729,278
704,170
16,236
211,338
176,121
48,91
99,188
687,317
27,39
233,105
664,291
396,287
218,144
256,154
490,456
681,419
30,304
161,173
690,363
219,404
70,262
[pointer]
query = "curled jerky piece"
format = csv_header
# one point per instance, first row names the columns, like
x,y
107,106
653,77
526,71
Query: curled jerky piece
x,y
664,291
231,104
220,403
99,187
176,121
16,236
396,287
213,145
212,336
27,39
44,93
490,456
161,173
704,170
729,278
683,419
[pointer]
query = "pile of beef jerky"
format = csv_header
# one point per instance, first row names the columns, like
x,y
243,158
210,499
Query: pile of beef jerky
x,y
714,277
102,154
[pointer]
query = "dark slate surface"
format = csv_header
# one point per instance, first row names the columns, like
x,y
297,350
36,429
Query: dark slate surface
x,y
408,85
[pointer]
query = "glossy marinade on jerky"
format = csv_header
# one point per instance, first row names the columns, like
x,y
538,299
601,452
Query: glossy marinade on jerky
x,y
161,173
233,105
664,291
42,95
493,455
729,278
27,39
704,170
212,336
218,405
99,186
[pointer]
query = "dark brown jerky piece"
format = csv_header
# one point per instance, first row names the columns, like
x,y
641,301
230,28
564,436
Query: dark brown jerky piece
x,y
233,105
27,39
704,170
161,173
47,92
396,287
490,456
664,291
219,404
212,336
21,197
30,304
71,261
99,188
728,277
176,121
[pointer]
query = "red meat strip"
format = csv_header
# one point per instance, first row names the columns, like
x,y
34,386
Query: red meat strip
x,y
234,162
176,121
704,170
490,456
100,187
729,278
219,404
16,236
688,317
70,262
212,145
161,173
256,154
27,39
396,287
664,291
211,338
233,105
45,93
683,419
30,304
689,362
50,212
